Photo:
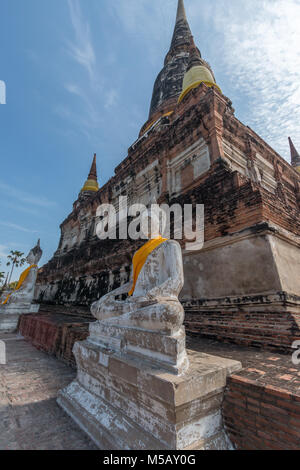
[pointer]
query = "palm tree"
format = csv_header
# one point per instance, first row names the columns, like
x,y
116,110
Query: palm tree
x,y
2,277
15,261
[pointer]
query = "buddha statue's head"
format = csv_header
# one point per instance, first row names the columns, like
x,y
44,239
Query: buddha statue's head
x,y
150,226
35,254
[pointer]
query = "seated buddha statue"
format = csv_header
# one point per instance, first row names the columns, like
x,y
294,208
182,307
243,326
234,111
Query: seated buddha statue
x,y
24,292
155,283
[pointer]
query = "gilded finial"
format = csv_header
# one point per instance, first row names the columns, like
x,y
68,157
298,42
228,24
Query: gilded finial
x,y
91,183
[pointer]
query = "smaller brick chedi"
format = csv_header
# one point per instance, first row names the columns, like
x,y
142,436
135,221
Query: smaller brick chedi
x,y
295,157
91,183
243,286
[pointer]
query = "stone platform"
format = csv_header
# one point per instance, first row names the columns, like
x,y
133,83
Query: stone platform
x,y
55,329
154,349
259,399
123,403
261,407
10,314
270,322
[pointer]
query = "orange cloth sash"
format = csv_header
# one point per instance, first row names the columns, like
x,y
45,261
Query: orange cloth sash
x,y
22,278
141,256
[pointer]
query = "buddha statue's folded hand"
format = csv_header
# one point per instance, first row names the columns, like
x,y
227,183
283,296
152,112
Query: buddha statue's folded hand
x,y
122,290
163,292
141,300
115,293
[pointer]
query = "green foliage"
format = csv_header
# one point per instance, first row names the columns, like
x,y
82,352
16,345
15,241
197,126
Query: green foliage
x,y
2,278
15,260
13,285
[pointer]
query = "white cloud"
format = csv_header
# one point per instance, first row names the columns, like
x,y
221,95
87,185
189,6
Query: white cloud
x,y
3,251
253,46
81,49
16,206
111,99
25,197
17,227
2,92
150,22
63,112
258,51
74,89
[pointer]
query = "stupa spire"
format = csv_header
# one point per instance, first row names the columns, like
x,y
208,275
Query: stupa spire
x,y
93,170
184,69
295,157
181,14
168,85
91,183
182,36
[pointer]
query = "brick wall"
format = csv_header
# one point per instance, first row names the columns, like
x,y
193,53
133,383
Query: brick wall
x,y
54,334
272,331
261,417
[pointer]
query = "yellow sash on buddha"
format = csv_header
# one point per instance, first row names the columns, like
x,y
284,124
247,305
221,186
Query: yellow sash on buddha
x,y
141,256
22,278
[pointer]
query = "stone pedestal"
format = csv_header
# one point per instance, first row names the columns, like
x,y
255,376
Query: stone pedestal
x,y
153,348
126,396
10,314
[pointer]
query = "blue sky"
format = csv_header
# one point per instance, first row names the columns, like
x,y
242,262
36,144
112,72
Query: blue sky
x,y
79,77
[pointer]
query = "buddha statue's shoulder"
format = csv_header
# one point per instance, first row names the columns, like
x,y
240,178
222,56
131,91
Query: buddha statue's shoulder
x,y
171,246
173,242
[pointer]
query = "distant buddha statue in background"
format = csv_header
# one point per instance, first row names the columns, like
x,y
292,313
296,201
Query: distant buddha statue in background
x,y
156,281
24,292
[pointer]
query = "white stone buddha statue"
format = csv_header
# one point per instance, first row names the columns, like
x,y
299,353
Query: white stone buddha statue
x,y
156,281
19,301
24,292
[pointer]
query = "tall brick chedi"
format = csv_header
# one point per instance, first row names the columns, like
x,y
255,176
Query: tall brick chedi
x,y
243,286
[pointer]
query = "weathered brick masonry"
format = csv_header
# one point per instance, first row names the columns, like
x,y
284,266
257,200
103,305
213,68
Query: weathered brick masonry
x,y
261,407
269,330
55,331
261,418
